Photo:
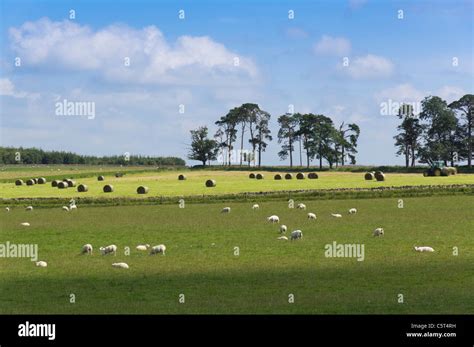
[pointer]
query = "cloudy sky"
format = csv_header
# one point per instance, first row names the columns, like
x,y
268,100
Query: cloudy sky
x,y
153,72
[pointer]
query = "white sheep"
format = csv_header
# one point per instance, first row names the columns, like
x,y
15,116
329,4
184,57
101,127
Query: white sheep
x,y
336,215
378,232
301,206
41,263
7,209
352,211
72,207
225,210
283,229
282,238
108,250
255,207
296,234
65,208
25,224
311,216
87,249
120,265
158,249
424,249
29,208
274,219
142,247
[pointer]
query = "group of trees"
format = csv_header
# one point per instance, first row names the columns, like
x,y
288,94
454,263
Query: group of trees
x,y
440,132
10,155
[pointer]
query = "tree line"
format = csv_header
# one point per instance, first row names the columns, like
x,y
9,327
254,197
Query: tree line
x,y
11,155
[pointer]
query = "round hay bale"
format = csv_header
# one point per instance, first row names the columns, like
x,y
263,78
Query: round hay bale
x,y
369,176
453,170
19,182
35,179
277,177
252,175
62,185
71,183
142,190
379,176
119,174
54,183
210,183
181,177
259,176
100,178
81,188
42,180
313,175
300,176
288,176
108,188
30,182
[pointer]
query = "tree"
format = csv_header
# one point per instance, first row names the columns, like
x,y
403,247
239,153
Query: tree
x,y
410,131
287,135
262,134
305,129
347,141
465,106
202,148
228,123
321,142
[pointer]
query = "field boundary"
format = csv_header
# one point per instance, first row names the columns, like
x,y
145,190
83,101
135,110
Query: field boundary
x,y
309,194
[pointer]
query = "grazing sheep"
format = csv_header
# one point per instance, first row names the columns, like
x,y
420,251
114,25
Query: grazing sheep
x,y
336,215
301,206
29,208
120,265
72,207
41,263
274,219
283,229
7,209
108,250
225,210
353,211
378,232
282,238
87,249
142,247
65,208
25,224
158,249
424,249
311,216
297,234
255,207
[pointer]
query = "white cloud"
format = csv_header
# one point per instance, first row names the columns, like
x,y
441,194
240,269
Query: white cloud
x,y
7,88
189,60
369,66
401,93
450,93
329,45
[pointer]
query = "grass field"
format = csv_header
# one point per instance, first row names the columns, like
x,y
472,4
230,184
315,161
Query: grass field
x,y
166,184
200,261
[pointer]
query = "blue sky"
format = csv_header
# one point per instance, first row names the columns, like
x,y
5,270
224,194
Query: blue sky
x,y
191,62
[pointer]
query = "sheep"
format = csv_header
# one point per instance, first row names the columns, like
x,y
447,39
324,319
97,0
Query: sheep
x,y
301,206
25,224
311,216
352,211
65,208
87,249
283,229
142,247
225,210
378,232
282,238
7,209
336,215
108,249
255,207
29,208
72,207
158,249
296,234
274,219
120,265
41,263
423,249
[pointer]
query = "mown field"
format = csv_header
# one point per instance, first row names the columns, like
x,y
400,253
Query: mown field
x,y
165,183
200,261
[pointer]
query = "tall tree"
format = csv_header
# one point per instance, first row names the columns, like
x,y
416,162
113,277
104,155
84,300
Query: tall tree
x,y
322,140
287,135
263,134
229,125
410,131
202,148
219,137
465,106
305,129
348,135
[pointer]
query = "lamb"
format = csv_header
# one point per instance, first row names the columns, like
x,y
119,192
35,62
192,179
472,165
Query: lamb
x,y
158,249
283,229
352,211
274,219
41,263
108,250
378,232
25,224
225,210
297,234
65,208
424,249
255,207
301,206
283,238
120,265
87,249
142,247
336,215
311,216
29,208
7,209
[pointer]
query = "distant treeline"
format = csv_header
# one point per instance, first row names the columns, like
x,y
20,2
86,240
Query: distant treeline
x,y
10,155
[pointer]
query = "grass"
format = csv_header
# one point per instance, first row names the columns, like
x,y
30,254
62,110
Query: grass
x,y
200,261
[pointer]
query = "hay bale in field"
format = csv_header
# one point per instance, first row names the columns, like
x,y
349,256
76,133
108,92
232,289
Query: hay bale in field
x,y
300,176
210,183
379,176
448,170
252,175
288,176
30,182
71,183
62,185
369,176
119,174
182,177
277,177
142,190
108,188
41,180
54,183
453,170
313,175
35,179
19,182
100,178
81,188
259,176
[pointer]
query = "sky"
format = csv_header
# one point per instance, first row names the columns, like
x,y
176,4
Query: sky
x,y
150,71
